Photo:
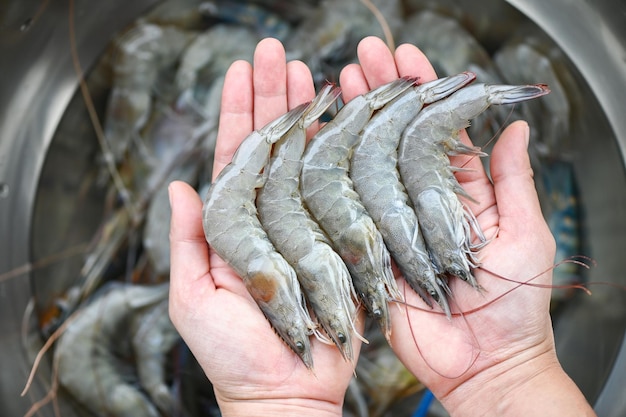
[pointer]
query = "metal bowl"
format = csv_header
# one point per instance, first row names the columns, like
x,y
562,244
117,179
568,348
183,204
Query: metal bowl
x,y
39,81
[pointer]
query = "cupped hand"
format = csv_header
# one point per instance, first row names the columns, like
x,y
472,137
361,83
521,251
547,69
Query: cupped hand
x,y
506,324
252,370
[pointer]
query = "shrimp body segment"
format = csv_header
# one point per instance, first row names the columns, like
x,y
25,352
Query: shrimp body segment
x,y
232,228
376,179
432,187
323,275
330,197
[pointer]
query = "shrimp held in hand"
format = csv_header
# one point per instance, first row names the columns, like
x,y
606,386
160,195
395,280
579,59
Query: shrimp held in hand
x,y
328,192
426,172
233,230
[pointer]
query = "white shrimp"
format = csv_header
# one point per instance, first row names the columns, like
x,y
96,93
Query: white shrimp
x,y
232,228
429,179
328,193
321,272
376,179
126,322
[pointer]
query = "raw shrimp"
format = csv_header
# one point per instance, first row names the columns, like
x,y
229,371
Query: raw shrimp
x,y
141,53
373,170
232,228
328,193
429,179
261,19
321,272
327,37
125,322
211,53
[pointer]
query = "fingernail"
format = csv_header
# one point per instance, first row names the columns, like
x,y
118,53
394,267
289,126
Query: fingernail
x,y
526,134
169,194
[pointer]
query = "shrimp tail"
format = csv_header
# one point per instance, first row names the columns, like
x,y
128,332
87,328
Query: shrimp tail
x,y
384,94
442,87
277,128
320,103
509,94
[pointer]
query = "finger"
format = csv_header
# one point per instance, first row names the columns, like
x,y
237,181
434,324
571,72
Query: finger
x,y
300,88
270,82
514,187
410,61
377,62
236,120
352,82
189,251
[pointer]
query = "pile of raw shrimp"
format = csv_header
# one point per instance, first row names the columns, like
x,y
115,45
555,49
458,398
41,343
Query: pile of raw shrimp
x,y
321,221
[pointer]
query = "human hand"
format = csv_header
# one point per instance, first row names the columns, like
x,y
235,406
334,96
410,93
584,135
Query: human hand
x,y
252,370
503,341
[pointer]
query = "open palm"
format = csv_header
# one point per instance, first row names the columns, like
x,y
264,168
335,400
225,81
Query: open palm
x,y
510,329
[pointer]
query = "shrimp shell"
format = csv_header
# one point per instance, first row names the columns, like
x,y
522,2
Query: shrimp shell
x,y
232,228
321,272
328,193
376,179
432,187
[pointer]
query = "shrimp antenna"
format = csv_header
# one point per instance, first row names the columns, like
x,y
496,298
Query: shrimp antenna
x,y
382,21
474,340
93,115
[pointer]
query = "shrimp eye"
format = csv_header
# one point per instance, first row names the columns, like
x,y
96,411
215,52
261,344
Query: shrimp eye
x,y
378,313
300,346
461,274
341,337
435,295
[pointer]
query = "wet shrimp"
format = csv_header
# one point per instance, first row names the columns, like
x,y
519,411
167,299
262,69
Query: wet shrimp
x,y
324,277
329,195
233,230
373,170
141,54
425,169
124,324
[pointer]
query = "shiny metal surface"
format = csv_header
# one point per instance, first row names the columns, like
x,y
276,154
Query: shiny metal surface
x,y
38,81
593,35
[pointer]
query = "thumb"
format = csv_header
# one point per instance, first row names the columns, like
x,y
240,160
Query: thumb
x,y
189,250
512,175
514,186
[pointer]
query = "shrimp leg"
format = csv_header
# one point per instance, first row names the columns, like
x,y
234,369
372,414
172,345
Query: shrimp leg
x,y
232,228
329,195
323,275
376,179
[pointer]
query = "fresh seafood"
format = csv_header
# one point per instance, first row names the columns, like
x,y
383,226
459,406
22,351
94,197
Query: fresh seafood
x,y
141,53
162,81
328,193
377,181
327,38
324,277
125,323
208,57
233,229
426,172
534,57
264,21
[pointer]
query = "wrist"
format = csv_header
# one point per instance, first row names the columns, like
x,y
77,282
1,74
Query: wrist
x,y
524,385
278,407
